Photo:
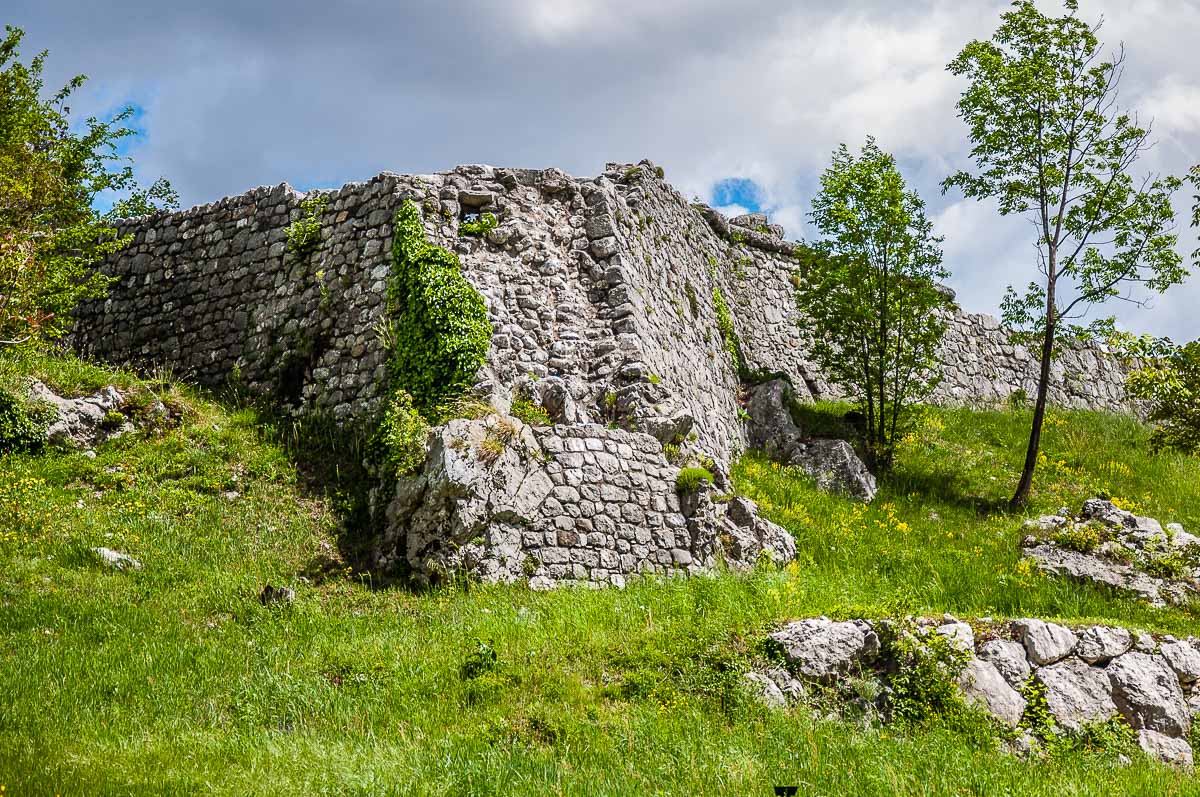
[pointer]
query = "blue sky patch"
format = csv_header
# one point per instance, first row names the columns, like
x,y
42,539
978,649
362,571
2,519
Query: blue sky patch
x,y
737,191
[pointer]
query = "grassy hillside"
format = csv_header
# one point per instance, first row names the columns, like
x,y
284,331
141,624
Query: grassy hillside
x,y
174,679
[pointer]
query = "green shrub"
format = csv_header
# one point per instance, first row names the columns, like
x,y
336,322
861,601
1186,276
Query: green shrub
x,y
23,423
1081,537
480,661
530,413
729,335
304,234
441,329
1170,383
402,435
924,685
690,479
480,226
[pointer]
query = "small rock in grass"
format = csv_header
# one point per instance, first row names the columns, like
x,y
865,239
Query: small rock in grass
x,y
271,594
117,560
767,692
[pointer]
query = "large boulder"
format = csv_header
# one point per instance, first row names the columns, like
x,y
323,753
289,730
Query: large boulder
x,y
82,422
1009,659
821,649
1076,693
483,480
833,464
1183,659
1045,642
1168,749
1147,693
1100,644
982,684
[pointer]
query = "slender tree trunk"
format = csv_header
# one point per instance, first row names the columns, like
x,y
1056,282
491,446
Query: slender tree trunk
x,y
1021,497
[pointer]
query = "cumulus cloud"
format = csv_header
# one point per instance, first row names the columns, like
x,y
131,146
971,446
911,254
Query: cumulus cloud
x,y
239,94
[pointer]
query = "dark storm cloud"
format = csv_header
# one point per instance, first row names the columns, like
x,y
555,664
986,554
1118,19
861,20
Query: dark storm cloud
x,y
237,94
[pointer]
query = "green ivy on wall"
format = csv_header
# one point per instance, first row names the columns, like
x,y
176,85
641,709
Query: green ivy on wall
x,y
304,234
439,327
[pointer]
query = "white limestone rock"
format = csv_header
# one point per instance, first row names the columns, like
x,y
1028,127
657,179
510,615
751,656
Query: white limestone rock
x,y
1045,642
1184,659
1168,749
1147,693
821,649
1009,659
1076,693
116,560
982,684
1100,644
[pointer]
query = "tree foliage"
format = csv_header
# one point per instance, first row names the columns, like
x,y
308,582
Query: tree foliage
x,y
51,173
871,295
1051,143
1168,380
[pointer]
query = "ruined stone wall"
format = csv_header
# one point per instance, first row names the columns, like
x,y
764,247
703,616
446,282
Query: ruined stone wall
x,y
601,289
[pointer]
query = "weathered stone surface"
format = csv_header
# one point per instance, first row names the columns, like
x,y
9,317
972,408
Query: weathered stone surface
x,y
1008,657
1076,693
1045,643
832,463
1184,659
504,502
1122,560
821,649
1168,749
982,684
959,634
116,560
766,690
81,422
271,594
1147,692
1099,644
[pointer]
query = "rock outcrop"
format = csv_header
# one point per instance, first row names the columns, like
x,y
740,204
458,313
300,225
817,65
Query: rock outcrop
x,y
1116,548
833,464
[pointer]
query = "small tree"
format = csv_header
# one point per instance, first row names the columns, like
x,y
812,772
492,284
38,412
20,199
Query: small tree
x,y
1050,142
51,235
1169,382
870,294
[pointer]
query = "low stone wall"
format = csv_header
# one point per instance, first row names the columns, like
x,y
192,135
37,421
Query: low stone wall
x,y
1080,676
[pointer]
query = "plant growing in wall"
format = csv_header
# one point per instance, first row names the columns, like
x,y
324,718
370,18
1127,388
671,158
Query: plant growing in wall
x,y
440,330
304,234
1051,143
870,294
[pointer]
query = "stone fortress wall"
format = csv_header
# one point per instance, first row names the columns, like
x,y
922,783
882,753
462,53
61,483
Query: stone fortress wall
x,y
606,284
604,297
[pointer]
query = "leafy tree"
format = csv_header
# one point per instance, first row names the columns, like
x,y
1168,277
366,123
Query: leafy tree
x,y
1168,380
1050,142
870,294
51,234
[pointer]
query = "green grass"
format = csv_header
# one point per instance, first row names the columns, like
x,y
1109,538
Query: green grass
x,y
175,680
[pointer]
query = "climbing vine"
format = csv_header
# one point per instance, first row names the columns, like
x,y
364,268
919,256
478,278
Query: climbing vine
x,y
439,327
725,326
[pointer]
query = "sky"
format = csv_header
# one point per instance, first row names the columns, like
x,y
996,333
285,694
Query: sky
x,y
741,103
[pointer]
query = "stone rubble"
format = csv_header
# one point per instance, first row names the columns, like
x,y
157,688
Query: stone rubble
x,y
1086,675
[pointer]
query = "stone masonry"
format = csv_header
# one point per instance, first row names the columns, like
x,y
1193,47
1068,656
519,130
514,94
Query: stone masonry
x,y
602,293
